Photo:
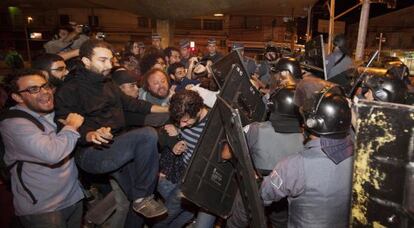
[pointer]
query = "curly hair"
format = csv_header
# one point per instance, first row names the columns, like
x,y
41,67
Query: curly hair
x,y
186,102
149,60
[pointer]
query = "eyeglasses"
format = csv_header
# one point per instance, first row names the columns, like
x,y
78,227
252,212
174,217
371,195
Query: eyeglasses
x,y
36,89
59,69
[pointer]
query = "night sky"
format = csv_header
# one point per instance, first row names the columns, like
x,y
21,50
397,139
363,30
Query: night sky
x,y
320,11
376,9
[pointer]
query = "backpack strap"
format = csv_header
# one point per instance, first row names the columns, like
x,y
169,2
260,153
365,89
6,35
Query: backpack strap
x,y
15,113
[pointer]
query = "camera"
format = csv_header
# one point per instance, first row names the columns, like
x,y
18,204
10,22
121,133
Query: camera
x,y
100,36
86,29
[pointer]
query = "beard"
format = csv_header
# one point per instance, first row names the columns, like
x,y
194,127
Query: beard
x,y
157,95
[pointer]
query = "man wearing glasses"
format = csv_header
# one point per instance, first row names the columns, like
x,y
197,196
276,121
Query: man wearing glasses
x,y
53,67
44,180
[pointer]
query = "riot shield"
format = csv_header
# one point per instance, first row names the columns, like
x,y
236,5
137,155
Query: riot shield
x,y
242,163
315,57
222,68
383,180
208,181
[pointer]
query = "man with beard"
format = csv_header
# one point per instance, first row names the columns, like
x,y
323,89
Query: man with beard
x,y
189,116
156,88
105,146
172,55
44,177
53,67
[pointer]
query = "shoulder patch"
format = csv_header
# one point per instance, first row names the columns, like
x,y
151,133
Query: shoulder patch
x,y
275,179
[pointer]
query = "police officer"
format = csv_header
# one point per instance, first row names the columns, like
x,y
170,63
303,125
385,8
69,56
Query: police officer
x,y
212,54
386,88
269,142
265,67
156,41
317,181
248,62
338,63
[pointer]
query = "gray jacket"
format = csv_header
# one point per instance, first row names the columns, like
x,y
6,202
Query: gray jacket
x,y
318,191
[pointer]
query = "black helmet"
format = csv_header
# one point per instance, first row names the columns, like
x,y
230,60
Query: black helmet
x,y
329,113
289,64
270,48
282,102
340,42
388,88
284,114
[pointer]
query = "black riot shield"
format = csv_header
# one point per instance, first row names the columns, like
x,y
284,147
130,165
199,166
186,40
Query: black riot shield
x,y
242,162
208,181
315,57
383,180
222,68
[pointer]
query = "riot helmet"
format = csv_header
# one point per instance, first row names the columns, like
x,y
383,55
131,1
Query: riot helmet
x,y
284,114
289,64
328,113
282,102
387,88
272,53
340,42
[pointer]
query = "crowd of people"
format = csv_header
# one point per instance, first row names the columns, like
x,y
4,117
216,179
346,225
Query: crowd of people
x,y
81,111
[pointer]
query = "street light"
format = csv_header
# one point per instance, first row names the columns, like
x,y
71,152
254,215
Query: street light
x,y
29,20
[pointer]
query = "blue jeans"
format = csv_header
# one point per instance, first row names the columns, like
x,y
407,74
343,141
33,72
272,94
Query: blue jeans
x,y
177,215
132,160
68,217
205,220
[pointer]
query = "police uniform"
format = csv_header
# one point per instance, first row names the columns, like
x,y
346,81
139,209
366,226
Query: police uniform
x,y
216,56
318,190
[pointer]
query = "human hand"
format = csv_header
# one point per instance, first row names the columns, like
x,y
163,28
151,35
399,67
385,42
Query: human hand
x,y
101,136
73,119
179,147
171,130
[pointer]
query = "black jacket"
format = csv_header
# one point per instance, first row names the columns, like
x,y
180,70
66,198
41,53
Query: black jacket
x,y
98,100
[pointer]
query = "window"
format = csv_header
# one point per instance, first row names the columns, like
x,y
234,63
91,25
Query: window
x,y
210,24
188,24
143,22
93,21
253,23
64,19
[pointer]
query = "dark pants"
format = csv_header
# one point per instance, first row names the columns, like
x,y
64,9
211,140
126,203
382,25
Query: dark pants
x,y
70,217
276,213
132,159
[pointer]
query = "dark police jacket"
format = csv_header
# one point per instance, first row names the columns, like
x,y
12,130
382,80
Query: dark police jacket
x,y
98,100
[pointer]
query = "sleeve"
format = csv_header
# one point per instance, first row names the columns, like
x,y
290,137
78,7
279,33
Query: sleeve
x,y
286,179
251,132
25,141
165,140
134,105
67,101
209,97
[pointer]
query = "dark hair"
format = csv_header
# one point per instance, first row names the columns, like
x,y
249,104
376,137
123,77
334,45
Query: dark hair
x,y
13,78
149,60
185,102
168,51
86,49
45,61
173,67
147,75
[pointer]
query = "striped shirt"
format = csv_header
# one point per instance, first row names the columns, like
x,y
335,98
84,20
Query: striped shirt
x,y
191,136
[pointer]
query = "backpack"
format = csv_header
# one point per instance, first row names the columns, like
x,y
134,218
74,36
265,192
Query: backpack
x,y
4,168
